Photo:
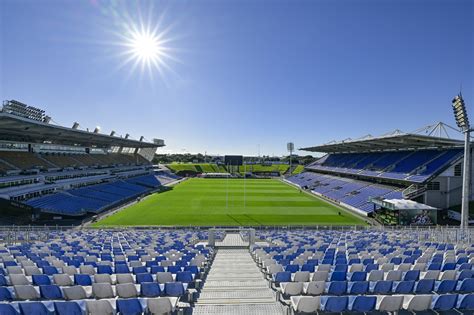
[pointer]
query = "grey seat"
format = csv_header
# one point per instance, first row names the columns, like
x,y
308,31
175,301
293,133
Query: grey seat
x,y
18,279
448,275
87,270
375,275
102,291
163,277
417,303
389,303
17,270
26,292
76,292
315,288
305,304
62,279
32,270
70,270
292,288
432,274
159,306
126,290
103,278
320,276
100,307
301,276
394,275
125,278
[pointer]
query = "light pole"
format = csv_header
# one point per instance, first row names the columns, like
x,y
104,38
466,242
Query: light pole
x,y
460,114
290,146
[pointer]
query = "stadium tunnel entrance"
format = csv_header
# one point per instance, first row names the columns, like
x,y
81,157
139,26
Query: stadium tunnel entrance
x,y
231,237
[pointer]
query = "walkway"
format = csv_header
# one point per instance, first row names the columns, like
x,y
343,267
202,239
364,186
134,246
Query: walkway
x,y
235,285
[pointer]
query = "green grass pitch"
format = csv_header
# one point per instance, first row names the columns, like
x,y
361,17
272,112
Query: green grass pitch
x,y
221,202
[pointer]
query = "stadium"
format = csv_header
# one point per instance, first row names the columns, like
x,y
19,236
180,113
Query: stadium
x,y
210,184
259,239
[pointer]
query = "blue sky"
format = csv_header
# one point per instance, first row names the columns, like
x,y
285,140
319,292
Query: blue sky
x,y
243,74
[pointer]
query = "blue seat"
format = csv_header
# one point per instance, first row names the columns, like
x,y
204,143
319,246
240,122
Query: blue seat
x,y
67,308
466,274
446,286
151,263
341,268
193,269
308,267
156,269
50,270
364,304
103,269
354,261
359,287
396,260
36,308
466,302
50,292
445,302
338,276
41,280
174,269
425,286
5,295
141,269
129,307
175,289
143,277
337,288
336,304
292,268
371,267
9,263
449,266
3,281
359,276
434,266
282,276
383,287
467,285
82,279
7,309
404,287
133,258
150,289
121,268
412,275
184,276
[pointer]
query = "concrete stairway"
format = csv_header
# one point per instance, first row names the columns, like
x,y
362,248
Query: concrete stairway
x,y
235,285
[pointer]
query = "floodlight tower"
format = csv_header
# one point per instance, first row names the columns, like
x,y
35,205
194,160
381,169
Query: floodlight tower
x,y
290,146
460,114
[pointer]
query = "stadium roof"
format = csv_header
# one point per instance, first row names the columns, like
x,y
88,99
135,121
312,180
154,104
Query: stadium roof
x,y
396,140
16,128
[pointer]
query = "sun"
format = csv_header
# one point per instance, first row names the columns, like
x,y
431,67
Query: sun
x,y
146,47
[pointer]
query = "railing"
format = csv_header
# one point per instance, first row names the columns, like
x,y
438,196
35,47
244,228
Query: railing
x,y
413,191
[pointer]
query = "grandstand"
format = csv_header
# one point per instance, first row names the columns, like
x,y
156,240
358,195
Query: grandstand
x,y
361,174
48,170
